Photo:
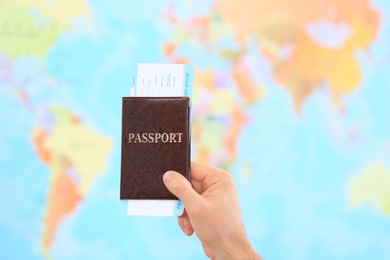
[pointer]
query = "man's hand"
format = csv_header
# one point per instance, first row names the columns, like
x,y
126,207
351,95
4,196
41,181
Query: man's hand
x,y
212,211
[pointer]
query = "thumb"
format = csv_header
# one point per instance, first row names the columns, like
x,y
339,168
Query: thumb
x,y
179,186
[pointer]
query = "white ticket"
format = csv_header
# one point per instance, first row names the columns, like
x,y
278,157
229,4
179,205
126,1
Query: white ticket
x,y
160,80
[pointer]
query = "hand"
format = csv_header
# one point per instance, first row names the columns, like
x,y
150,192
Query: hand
x,y
212,211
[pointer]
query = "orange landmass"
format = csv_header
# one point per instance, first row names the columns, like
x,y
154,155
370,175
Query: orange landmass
x,y
283,23
248,89
201,28
62,200
169,48
238,120
22,95
38,139
202,155
181,60
302,75
74,120
205,79
277,15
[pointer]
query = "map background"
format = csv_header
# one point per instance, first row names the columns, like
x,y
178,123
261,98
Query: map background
x,y
294,169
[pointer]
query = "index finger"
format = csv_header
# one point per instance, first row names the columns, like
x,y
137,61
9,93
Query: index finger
x,y
203,176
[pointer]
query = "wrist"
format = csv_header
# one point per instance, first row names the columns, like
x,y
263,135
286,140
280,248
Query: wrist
x,y
239,249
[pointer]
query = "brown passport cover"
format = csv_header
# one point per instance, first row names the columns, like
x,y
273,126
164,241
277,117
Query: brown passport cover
x,y
163,144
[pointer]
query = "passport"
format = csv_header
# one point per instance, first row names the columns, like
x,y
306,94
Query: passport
x,y
155,139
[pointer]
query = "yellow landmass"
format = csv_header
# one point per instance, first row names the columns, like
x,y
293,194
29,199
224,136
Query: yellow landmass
x,y
223,101
283,23
246,171
31,27
208,136
372,187
23,36
62,12
215,140
70,146
63,117
85,150
231,54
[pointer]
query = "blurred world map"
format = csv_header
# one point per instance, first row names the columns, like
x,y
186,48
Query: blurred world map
x,y
291,96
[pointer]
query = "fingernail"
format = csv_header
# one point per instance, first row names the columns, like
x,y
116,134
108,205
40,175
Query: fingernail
x,y
168,176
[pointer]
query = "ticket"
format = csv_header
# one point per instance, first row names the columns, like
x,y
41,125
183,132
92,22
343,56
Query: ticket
x,y
159,80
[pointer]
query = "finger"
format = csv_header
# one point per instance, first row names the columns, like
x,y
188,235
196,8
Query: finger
x,y
179,186
185,224
181,222
199,171
188,229
181,219
204,176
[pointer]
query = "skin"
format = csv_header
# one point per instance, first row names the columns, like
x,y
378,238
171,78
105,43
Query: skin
x,y
212,211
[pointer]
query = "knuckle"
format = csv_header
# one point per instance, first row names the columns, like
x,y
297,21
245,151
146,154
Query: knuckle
x,y
227,177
